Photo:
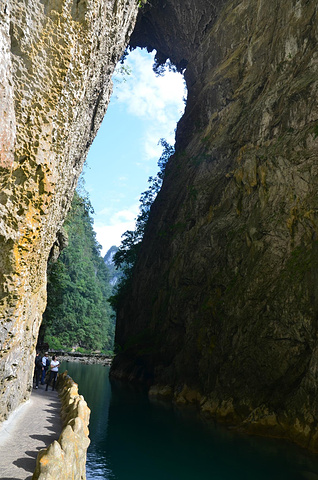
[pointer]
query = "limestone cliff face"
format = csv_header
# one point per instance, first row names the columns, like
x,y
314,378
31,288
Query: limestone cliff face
x,y
224,304
56,60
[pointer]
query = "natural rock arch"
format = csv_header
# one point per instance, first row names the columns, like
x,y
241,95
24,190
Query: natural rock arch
x,y
230,255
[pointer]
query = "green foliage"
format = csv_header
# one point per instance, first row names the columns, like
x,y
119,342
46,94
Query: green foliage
x,y
83,350
315,130
141,3
78,312
54,342
122,71
126,256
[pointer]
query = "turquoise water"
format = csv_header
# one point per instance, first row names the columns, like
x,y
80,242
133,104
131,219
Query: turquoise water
x,y
133,438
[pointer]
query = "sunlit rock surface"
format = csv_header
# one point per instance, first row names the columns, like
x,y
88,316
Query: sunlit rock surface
x,y
66,458
56,59
224,300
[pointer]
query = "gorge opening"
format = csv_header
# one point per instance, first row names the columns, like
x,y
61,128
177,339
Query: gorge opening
x,y
121,168
144,108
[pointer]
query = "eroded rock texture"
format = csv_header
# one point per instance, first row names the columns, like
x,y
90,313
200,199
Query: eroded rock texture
x,y
56,59
66,458
224,303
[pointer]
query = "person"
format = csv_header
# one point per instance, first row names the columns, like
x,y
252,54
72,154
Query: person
x,y
45,364
54,368
37,369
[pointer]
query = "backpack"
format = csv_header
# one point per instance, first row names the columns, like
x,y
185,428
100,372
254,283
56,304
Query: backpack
x,y
38,362
48,363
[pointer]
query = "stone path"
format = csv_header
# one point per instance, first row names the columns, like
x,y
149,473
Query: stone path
x,y
33,426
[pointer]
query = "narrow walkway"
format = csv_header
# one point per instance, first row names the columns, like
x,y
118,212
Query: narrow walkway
x,y
33,426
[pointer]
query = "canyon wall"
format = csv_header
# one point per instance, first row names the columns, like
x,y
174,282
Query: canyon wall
x,y
56,61
224,304
223,307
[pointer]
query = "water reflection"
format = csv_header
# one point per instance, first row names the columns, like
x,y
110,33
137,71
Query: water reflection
x,y
133,438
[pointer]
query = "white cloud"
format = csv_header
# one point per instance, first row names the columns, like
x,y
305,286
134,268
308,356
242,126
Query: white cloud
x,y
157,99
148,95
152,147
126,215
104,211
109,233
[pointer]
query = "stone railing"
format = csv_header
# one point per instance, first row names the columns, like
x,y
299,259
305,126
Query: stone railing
x,y
66,458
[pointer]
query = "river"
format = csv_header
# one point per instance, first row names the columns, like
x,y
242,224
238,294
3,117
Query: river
x,y
133,438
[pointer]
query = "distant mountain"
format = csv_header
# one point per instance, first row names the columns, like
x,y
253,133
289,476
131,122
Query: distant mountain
x,y
114,274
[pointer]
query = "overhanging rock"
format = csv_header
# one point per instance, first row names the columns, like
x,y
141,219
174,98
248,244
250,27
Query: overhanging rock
x,y
56,62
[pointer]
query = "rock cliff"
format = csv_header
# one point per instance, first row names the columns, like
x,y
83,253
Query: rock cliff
x,y
56,61
223,307
224,303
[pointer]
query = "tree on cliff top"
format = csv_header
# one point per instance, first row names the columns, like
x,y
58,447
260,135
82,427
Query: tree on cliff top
x,y
126,256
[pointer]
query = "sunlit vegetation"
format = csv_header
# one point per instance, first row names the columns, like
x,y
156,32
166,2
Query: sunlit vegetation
x,y
78,314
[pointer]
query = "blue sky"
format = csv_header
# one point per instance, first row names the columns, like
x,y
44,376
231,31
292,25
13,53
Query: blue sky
x,y
143,109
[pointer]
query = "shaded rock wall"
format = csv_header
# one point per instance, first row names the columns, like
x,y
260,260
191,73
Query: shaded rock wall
x,y
224,300
56,60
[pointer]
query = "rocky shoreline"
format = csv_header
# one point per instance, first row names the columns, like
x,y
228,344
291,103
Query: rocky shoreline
x,y
89,359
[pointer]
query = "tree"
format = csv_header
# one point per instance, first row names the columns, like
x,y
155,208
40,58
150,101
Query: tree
x,y
78,313
126,256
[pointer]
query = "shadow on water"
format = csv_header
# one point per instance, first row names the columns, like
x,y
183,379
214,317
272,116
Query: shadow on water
x,y
133,438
